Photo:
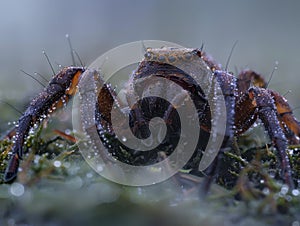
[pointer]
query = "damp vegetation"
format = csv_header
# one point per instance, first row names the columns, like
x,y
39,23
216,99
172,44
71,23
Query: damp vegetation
x,y
55,186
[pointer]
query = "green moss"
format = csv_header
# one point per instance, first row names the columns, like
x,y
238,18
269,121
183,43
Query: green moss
x,y
59,187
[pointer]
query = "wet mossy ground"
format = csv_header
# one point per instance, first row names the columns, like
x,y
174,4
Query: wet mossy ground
x,y
57,187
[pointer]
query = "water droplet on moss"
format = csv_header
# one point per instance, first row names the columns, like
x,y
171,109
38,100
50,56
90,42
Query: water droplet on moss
x,y
17,189
57,163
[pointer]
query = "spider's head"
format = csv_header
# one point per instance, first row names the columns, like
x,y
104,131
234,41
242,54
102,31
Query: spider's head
x,y
172,55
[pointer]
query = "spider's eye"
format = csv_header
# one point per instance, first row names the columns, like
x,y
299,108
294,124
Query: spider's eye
x,y
187,56
162,58
172,59
148,55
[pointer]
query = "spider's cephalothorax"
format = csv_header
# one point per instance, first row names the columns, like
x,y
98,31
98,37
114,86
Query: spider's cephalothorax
x,y
246,98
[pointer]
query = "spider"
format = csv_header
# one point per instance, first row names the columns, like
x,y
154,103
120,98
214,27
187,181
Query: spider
x,y
246,96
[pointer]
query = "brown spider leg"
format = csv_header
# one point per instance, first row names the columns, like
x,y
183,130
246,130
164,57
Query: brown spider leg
x,y
245,111
290,136
126,107
59,90
285,115
227,82
245,115
289,123
105,102
266,111
246,78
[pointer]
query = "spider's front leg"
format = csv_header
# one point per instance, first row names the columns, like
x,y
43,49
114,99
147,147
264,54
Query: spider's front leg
x,y
263,102
59,90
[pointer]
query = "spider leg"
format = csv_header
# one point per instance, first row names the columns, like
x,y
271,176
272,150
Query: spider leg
x,y
266,111
59,90
227,82
289,123
245,111
246,78
118,117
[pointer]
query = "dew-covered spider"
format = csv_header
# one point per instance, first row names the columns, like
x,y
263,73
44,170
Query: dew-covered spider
x,y
246,98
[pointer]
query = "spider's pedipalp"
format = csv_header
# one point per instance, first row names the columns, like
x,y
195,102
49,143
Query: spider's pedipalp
x,y
58,91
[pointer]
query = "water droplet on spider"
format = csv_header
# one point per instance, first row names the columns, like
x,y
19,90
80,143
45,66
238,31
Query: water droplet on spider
x,y
262,181
17,189
272,174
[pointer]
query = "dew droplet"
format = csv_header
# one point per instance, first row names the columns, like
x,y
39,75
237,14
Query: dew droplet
x,y
67,165
17,189
89,175
295,192
284,189
99,168
266,191
57,163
